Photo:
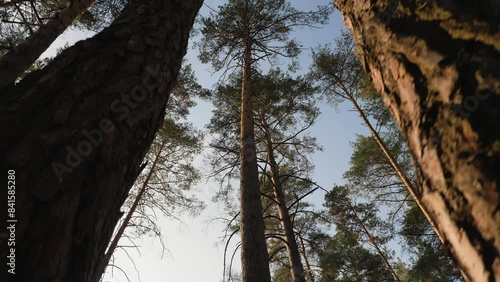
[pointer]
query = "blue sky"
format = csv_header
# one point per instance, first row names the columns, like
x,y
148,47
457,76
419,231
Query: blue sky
x,y
194,254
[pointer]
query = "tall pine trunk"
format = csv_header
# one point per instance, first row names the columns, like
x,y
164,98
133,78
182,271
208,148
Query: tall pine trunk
x,y
435,64
254,256
18,60
296,268
77,132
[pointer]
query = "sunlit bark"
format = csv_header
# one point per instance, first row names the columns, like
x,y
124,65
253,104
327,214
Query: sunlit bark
x,y
435,64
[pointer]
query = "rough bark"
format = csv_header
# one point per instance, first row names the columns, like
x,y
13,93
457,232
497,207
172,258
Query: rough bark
x,y
254,256
77,132
435,64
296,268
18,60
130,213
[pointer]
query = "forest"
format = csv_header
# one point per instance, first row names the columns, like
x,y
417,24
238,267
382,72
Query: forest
x,y
250,140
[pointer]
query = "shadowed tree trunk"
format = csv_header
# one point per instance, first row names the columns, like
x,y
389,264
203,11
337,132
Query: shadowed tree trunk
x,y
18,60
435,64
126,221
77,132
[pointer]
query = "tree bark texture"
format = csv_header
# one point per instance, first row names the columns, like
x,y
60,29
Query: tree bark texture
x,y
77,132
435,64
296,267
254,256
126,221
18,60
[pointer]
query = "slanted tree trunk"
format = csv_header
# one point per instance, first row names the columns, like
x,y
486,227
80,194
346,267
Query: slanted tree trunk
x,y
296,268
18,60
411,188
77,132
373,241
306,260
126,221
121,230
254,256
435,64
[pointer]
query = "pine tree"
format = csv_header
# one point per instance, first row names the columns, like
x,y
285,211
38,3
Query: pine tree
x,y
28,28
357,228
168,173
23,55
283,110
340,75
435,65
377,181
381,168
77,132
241,34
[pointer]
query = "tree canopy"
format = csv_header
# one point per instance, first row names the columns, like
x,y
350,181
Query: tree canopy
x,y
99,146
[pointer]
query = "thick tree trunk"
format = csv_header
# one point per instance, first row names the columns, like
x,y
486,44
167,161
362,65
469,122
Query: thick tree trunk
x,y
130,213
254,256
18,60
77,132
436,65
296,268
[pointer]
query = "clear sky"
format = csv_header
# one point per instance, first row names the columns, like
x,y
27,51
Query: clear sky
x,y
195,250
